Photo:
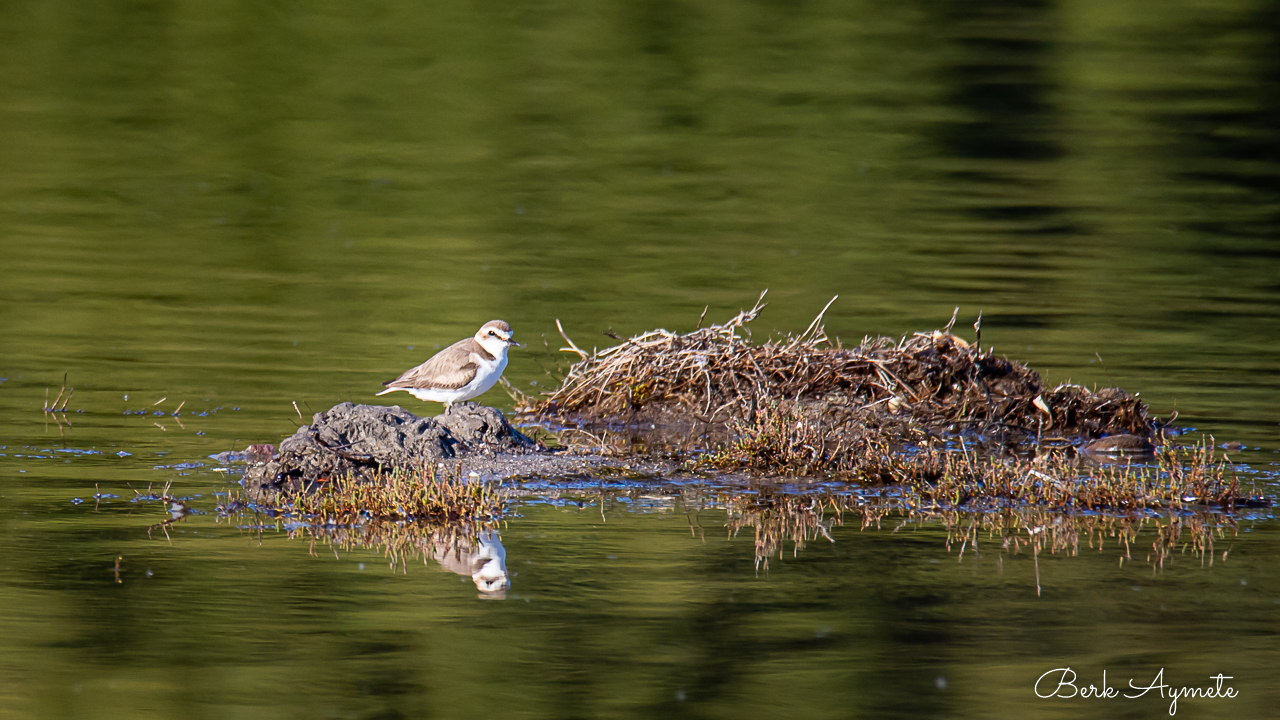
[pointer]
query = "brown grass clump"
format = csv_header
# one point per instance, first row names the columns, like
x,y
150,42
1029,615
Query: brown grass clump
x,y
398,495
784,439
780,438
1179,478
935,380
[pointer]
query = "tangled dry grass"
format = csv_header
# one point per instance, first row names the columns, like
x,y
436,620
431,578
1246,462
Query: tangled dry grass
x,y
935,380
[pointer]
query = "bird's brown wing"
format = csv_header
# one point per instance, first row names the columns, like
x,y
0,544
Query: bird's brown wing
x,y
449,369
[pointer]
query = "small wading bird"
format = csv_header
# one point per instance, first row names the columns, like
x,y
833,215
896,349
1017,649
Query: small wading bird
x,y
465,369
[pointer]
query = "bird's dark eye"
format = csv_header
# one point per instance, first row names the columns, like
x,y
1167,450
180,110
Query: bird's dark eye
x,y
493,333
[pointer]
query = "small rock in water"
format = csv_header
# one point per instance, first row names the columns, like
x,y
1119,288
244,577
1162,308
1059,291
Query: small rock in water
x,y
1233,446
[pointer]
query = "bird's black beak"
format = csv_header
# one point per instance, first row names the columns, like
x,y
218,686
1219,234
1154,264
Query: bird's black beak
x,y
513,342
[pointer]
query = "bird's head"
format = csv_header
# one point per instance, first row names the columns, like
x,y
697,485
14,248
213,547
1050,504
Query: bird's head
x,y
495,336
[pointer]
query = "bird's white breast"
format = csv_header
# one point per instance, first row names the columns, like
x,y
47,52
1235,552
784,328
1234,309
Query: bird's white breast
x,y
487,372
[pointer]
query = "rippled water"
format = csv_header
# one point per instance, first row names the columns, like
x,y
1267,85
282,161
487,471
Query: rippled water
x,y
240,207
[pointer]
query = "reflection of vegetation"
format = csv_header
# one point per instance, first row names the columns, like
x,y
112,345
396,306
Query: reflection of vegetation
x,y
775,519
1041,530
714,138
178,508
779,518
398,542
56,411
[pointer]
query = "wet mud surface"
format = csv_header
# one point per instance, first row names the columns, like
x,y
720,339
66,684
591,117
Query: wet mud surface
x,y
467,439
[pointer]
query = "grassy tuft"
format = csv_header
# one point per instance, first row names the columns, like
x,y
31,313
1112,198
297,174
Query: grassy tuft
x,y
783,439
780,439
398,495
1178,479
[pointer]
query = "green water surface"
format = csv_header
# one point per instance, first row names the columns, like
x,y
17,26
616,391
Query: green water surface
x,y
238,207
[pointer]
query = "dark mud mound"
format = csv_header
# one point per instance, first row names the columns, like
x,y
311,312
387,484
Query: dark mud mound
x,y
371,443
363,440
933,382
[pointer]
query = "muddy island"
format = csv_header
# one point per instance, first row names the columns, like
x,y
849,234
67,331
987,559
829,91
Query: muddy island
x,y
935,417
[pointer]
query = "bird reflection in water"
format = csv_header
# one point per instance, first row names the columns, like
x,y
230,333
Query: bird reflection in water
x,y
485,562
470,551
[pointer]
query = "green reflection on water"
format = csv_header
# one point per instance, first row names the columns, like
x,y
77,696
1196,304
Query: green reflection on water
x,y
617,613
240,206
190,189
